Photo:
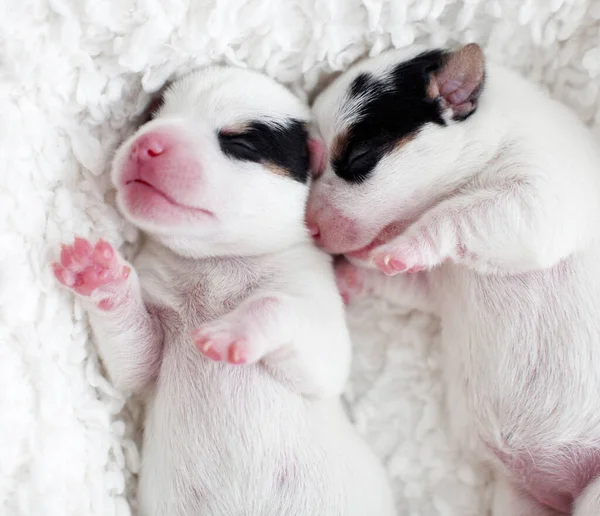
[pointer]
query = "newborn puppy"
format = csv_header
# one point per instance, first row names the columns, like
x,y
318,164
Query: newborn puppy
x,y
248,420
475,177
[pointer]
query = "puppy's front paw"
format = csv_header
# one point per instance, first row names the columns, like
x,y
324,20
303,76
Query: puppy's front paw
x,y
92,271
391,261
222,341
409,253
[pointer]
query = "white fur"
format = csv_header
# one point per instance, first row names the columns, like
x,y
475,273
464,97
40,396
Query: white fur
x,y
75,74
504,213
269,437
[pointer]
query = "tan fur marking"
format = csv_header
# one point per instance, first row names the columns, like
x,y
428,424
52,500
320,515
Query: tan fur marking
x,y
278,171
404,140
338,144
240,128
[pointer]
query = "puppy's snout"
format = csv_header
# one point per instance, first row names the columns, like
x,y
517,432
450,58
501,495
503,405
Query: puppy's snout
x,y
148,146
164,161
330,228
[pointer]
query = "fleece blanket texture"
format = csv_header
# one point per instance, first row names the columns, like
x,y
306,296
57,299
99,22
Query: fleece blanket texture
x,y
73,76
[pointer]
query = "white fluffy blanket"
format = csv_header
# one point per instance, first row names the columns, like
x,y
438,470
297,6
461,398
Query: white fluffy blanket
x,y
73,73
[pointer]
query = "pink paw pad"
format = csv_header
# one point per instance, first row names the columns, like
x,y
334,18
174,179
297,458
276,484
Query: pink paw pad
x,y
391,265
221,346
85,268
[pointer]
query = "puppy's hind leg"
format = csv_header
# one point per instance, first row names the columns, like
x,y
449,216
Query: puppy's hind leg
x,y
510,501
588,504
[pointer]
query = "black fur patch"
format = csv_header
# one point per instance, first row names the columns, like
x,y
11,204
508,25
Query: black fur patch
x,y
395,107
284,146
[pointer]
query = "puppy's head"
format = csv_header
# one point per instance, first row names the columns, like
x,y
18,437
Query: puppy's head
x,y
221,168
393,128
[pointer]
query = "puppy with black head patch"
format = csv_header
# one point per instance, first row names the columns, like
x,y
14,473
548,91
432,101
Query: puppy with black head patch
x,y
483,195
229,322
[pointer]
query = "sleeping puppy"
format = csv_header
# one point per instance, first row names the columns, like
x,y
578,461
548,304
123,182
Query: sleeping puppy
x,y
229,321
483,194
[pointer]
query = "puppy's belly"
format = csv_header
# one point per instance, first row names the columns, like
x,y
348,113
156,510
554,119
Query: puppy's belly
x,y
225,440
522,354
554,478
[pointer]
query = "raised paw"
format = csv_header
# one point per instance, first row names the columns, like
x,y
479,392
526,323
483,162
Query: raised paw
x,y
92,270
350,280
403,256
389,264
221,341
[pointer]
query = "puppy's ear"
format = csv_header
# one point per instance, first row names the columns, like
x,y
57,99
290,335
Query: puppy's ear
x,y
459,81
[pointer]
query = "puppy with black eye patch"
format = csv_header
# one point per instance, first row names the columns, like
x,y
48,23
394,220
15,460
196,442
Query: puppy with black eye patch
x,y
229,322
482,196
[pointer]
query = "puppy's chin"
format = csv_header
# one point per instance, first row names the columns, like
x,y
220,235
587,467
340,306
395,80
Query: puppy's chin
x,y
218,242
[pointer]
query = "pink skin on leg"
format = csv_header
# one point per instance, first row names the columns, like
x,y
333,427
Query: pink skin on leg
x,y
554,480
86,269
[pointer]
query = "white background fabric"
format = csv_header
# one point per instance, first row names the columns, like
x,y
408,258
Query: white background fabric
x,y
73,73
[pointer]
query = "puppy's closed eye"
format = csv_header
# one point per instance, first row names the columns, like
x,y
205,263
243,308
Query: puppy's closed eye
x,y
360,161
239,146
356,163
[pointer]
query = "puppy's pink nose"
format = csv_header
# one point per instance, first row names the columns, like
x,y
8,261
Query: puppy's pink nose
x,y
147,147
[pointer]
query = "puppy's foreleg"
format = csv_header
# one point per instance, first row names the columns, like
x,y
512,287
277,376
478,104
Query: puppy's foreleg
x,y
588,503
128,336
299,332
508,228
